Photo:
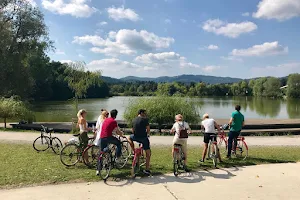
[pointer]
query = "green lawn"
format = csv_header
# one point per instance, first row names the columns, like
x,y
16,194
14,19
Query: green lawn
x,y
20,165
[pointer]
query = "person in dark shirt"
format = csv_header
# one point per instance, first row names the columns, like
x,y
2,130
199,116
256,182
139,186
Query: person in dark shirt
x,y
141,130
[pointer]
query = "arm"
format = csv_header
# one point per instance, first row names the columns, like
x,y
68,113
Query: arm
x,y
189,130
148,130
173,129
120,133
84,125
230,121
217,126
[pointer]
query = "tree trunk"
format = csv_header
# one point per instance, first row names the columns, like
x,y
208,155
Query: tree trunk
x,y
5,123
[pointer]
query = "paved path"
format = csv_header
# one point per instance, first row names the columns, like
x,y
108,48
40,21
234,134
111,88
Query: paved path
x,y
263,182
163,140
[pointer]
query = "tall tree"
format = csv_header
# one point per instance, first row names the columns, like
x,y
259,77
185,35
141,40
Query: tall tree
x,y
293,90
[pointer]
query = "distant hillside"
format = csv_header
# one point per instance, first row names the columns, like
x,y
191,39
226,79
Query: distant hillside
x,y
111,80
184,79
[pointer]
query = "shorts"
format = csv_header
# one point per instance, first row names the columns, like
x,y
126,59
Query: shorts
x,y
144,141
182,142
84,139
208,137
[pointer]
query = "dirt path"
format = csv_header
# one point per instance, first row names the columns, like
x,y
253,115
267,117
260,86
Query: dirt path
x,y
162,140
263,182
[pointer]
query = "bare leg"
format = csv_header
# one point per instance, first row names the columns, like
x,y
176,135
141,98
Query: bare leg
x,y
148,156
131,144
204,151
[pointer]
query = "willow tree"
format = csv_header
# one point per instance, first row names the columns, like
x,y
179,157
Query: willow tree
x,y
79,80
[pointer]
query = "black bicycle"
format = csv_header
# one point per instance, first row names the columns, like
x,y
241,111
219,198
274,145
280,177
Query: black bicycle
x,y
45,142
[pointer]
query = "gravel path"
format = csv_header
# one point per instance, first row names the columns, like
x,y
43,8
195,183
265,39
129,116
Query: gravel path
x,y
29,137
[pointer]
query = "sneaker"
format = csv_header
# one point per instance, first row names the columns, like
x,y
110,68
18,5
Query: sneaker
x,y
186,169
147,172
97,173
228,156
201,161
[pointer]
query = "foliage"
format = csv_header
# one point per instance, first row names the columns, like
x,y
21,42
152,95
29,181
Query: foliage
x,y
13,108
293,90
162,110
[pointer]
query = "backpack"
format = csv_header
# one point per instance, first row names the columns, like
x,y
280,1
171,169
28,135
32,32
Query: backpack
x,y
183,132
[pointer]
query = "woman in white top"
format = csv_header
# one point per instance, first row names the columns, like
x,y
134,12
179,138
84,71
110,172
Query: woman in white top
x,y
179,125
104,114
209,125
83,126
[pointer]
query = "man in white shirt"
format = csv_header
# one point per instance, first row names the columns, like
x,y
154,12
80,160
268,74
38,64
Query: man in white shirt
x,y
209,126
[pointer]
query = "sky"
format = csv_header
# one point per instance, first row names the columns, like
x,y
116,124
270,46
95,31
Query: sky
x,y
244,39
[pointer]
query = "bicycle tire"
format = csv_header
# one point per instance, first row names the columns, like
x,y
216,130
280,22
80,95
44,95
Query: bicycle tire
x,y
215,156
56,145
70,155
135,166
104,165
93,154
122,161
223,146
175,164
242,149
41,143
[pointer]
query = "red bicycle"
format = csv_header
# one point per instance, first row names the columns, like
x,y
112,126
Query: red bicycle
x,y
241,147
138,161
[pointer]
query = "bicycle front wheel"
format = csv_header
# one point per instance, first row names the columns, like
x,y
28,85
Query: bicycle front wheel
x,y
122,161
175,164
242,150
92,156
56,145
70,155
222,144
41,143
104,165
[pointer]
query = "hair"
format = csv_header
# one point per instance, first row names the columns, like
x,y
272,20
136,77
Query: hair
x,y
178,117
114,113
238,108
141,111
104,114
81,112
205,116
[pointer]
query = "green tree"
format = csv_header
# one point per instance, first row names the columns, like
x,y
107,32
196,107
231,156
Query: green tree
x,y
272,87
293,90
12,108
161,110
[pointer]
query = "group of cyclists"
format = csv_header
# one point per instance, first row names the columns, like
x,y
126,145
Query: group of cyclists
x,y
107,127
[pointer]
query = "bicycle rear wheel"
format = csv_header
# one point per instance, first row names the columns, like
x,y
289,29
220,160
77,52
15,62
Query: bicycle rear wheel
x,y
135,166
70,155
104,165
56,145
41,143
175,164
223,147
93,154
242,150
213,150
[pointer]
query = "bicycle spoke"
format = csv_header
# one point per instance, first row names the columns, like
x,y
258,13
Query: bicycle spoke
x,y
41,143
70,155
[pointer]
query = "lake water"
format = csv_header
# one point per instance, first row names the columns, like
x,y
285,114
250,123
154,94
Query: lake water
x,y
217,107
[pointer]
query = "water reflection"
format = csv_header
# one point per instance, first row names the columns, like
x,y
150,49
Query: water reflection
x,y
265,107
293,108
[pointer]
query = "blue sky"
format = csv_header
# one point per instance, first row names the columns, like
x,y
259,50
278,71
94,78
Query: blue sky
x,y
173,37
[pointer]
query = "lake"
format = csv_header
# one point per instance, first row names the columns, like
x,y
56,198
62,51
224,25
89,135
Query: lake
x,y
217,107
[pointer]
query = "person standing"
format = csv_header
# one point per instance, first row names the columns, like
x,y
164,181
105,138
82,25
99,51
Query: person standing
x,y
104,114
141,131
236,123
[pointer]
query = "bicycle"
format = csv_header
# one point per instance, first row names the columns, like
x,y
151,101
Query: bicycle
x,y
138,161
213,150
107,159
43,142
75,152
178,159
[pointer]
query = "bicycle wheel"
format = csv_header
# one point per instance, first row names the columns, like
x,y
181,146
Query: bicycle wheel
x,y
175,164
70,155
41,143
242,149
213,153
56,145
122,161
135,166
223,147
93,154
104,165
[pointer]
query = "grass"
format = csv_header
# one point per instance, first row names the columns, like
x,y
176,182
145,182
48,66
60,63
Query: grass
x,y
21,166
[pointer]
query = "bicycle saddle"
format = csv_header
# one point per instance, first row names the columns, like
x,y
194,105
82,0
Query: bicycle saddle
x,y
177,145
76,135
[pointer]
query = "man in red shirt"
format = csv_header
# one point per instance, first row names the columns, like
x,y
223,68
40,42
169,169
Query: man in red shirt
x,y
108,127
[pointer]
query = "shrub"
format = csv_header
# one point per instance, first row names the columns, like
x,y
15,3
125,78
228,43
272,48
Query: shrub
x,y
162,110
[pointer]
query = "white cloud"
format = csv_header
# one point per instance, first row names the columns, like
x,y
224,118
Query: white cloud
x,y
112,65
210,68
32,2
278,71
80,56
246,14
121,13
213,47
232,30
231,58
60,52
76,8
66,61
265,49
168,21
278,9
165,59
102,23
125,42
